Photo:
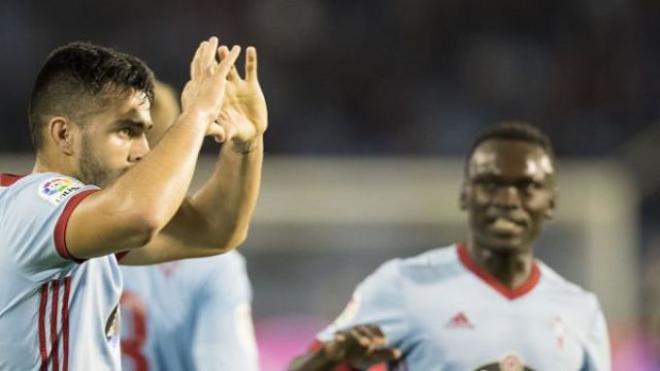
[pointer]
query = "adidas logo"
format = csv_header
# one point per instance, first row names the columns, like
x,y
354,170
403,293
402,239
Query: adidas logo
x,y
460,320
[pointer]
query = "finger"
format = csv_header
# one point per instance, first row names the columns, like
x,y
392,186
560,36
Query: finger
x,y
194,65
207,55
361,338
218,132
233,75
346,339
211,50
251,63
202,61
223,52
384,355
373,333
340,337
226,63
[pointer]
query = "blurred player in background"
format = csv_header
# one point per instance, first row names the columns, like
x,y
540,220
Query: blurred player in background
x,y
97,195
486,304
190,314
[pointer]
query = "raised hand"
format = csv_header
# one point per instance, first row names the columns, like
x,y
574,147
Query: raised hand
x,y
244,115
362,346
205,93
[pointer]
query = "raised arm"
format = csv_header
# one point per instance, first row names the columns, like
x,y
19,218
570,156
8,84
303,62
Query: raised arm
x,y
138,205
216,217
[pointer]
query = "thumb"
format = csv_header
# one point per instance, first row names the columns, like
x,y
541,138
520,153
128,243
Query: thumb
x,y
229,128
218,133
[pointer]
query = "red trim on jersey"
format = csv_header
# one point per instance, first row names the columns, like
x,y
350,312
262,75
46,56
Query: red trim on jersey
x,y
54,348
43,299
65,324
8,179
315,345
511,294
60,227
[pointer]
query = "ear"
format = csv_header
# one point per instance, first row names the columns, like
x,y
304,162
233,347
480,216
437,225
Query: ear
x,y
62,132
463,200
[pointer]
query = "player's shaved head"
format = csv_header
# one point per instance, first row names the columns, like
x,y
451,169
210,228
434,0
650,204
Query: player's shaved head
x,y
75,80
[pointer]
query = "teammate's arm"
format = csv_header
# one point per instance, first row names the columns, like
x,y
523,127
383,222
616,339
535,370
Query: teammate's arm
x,y
216,218
130,212
356,339
359,347
223,336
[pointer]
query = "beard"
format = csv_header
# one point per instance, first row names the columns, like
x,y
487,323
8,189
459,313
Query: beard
x,y
92,169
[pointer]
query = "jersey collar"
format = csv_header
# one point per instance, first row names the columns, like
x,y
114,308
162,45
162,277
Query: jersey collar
x,y
511,294
8,179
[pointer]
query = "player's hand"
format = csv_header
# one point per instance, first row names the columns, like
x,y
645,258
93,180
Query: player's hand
x,y
204,94
362,346
244,115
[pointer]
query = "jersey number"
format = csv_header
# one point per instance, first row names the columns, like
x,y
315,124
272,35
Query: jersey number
x,y
131,347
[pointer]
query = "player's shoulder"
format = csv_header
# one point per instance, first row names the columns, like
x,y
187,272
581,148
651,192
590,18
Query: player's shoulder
x,y
432,265
566,291
50,187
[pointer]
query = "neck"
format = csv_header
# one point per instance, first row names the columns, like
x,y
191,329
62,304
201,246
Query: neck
x,y
510,268
45,164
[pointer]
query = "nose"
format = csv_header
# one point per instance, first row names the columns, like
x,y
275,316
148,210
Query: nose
x,y
507,197
139,149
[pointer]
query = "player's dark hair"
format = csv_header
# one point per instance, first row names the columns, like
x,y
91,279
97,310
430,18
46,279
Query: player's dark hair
x,y
513,130
75,76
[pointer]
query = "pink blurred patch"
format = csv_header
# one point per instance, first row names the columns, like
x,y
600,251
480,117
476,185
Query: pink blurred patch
x,y
283,338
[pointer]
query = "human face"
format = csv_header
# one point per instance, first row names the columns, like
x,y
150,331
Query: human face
x,y
114,139
508,193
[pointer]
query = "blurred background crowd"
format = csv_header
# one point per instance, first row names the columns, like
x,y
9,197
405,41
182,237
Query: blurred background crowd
x,y
390,79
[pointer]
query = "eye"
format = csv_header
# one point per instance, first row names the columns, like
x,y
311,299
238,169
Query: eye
x,y
529,186
126,132
487,184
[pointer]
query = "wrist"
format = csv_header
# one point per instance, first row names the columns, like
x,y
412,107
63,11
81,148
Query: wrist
x,y
196,117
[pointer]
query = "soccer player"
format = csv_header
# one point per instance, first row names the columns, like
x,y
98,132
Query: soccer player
x,y
192,314
486,304
98,195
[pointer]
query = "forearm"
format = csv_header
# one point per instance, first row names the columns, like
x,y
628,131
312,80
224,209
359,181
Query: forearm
x,y
227,200
157,185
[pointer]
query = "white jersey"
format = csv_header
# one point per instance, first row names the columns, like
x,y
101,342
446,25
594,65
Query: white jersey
x,y
56,312
188,315
445,313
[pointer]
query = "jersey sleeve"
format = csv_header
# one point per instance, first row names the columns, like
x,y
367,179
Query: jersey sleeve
x,y
597,344
35,220
224,334
378,300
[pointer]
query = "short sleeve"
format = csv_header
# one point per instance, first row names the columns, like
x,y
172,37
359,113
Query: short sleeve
x,y
35,216
378,300
224,334
597,344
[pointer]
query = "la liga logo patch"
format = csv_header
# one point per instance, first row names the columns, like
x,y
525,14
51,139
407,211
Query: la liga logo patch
x,y
56,190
